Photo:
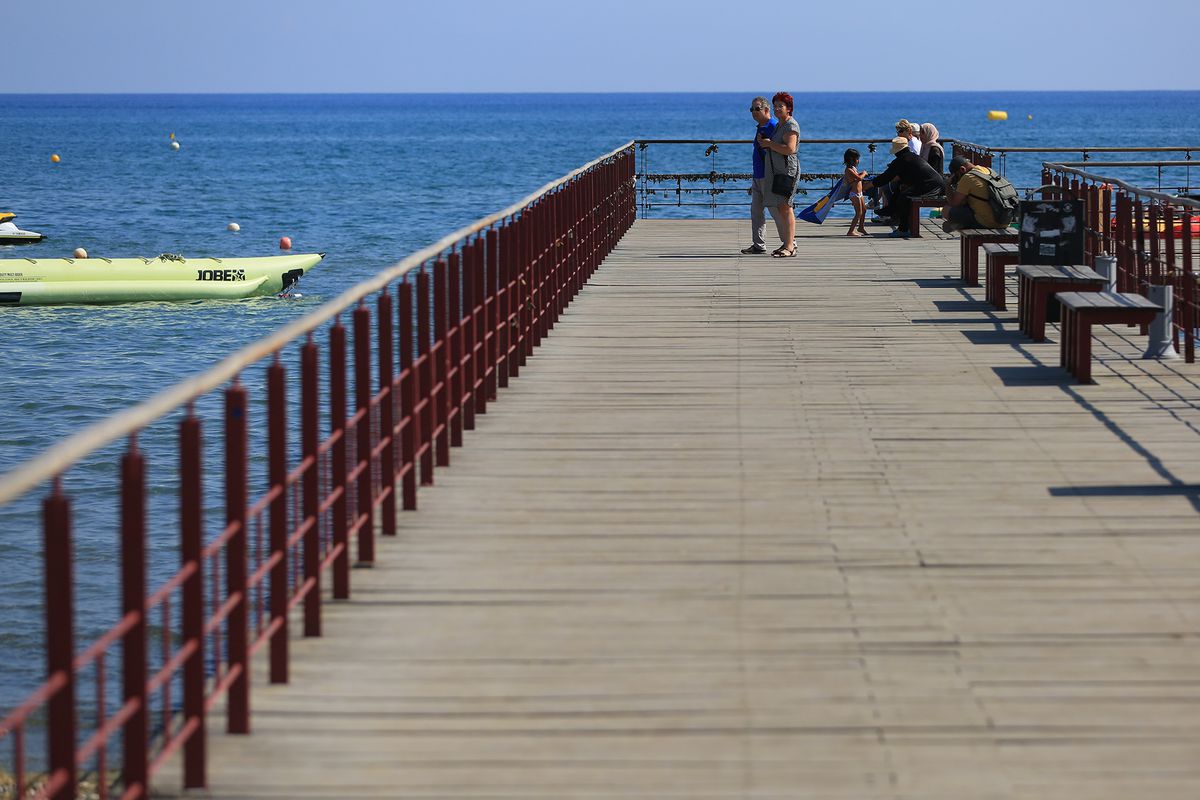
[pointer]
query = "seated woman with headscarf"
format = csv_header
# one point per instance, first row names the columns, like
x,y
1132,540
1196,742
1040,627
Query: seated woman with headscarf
x,y
931,148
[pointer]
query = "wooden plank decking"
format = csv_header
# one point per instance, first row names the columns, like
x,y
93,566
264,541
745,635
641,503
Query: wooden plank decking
x,y
822,527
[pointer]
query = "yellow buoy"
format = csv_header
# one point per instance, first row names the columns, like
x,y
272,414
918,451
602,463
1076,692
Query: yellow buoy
x,y
1029,116
997,115
172,135
54,159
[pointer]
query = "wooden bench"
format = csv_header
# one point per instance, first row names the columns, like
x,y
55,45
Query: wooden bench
x,y
914,216
1082,310
969,242
997,258
1037,283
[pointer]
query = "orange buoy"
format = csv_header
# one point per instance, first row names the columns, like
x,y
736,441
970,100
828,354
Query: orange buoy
x,y
54,159
285,243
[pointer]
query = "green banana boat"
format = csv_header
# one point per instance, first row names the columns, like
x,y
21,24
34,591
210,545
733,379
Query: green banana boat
x,y
53,281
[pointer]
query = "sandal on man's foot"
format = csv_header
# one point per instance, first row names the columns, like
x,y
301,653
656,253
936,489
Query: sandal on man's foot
x,y
783,253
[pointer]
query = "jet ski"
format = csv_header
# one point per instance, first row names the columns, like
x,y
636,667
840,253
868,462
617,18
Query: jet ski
x,y
11,234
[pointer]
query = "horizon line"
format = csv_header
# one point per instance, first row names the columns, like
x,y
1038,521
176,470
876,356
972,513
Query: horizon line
x,y
587,92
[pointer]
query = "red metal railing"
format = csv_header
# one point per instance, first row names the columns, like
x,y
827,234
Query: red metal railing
x,y
452,324
1152,236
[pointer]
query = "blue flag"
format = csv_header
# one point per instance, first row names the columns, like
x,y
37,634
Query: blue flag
x,y
818,211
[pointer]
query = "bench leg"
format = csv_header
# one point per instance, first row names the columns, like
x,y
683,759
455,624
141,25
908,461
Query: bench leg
x,y
972,276
1037,312
1022,303
1065,341
995,284
1083,348
914,222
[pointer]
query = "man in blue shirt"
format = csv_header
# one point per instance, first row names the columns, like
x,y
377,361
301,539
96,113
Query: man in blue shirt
x,y
760,109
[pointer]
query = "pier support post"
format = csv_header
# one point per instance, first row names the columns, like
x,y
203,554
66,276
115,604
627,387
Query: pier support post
x,y
1162,339
1107,266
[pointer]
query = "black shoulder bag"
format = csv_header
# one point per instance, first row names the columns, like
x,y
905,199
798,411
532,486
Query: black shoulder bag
x,y
782,184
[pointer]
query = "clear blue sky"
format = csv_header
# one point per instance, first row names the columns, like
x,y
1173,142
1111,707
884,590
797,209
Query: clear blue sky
x,y
617,45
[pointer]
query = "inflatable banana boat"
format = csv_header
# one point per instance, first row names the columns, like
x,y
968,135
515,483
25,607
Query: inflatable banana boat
x,y
52,281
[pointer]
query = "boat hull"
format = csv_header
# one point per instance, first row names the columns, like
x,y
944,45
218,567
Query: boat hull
x,y
21,237
54,281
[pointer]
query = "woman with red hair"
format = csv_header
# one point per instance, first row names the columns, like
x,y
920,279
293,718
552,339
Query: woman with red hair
x,y
782,170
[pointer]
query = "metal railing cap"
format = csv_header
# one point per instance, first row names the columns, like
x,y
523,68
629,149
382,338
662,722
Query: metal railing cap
x,y
1166,198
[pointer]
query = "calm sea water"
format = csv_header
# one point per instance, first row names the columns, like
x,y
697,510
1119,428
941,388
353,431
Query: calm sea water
x,y
366,179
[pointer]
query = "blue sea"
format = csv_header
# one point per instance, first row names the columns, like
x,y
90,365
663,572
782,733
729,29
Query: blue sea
x,y
366,179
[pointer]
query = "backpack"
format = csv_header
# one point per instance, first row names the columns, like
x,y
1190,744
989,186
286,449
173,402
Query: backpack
x,y
1001,196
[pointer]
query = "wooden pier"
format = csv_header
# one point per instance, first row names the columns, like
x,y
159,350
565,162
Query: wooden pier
x,y
821,527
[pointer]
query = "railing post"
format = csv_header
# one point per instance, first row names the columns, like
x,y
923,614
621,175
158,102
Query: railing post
x,y
1156,271
455,326
236,626
1139,252
337,459
441,387
489,337
136,730
502,328
311,483
498,251
1188,294
277,478
408,400
191,536
425,374
60,640
387,420
362,401
1171,275
528,284
468,334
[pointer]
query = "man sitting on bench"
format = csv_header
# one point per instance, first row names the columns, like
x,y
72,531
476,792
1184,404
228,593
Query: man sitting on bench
x,y
967,196
916,179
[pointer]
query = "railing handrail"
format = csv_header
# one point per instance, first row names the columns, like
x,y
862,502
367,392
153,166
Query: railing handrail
x,y
1130,163
1104,149
746,140
1127,187
57,458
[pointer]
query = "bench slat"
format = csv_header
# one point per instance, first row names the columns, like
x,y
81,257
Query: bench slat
x,y
1075,273
1103,300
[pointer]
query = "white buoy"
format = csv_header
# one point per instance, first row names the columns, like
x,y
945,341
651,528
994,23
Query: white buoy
x,y
174,145
233,226
80,252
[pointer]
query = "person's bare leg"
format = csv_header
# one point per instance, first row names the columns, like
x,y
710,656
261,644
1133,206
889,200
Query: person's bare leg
x,y
859,215
788,247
